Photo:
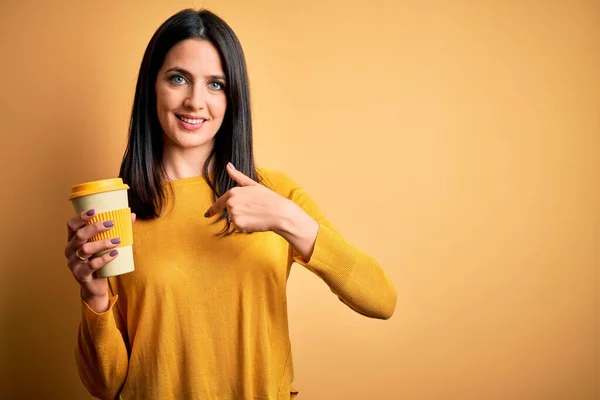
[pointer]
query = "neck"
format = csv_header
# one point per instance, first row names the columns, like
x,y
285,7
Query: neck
x,y
181,163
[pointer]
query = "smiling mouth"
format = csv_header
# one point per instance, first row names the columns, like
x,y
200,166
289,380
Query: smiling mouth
x,y
191,121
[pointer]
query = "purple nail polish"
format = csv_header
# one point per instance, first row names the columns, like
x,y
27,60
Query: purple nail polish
x,y
113,253
115,241
108,224
91,212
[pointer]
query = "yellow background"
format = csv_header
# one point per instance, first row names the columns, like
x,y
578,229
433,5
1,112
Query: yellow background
x,y
456,141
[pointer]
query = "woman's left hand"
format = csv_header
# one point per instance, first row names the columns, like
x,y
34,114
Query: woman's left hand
x,y
251,207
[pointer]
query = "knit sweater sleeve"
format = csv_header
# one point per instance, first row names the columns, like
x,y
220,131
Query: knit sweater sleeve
x,y
101,353
354,276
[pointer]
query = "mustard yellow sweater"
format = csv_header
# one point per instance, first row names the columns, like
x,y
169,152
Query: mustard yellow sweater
x,y
205,317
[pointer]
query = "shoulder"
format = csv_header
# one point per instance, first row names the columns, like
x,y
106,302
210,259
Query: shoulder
x,y
277,181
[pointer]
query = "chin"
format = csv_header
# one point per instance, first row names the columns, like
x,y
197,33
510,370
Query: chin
x,y
186,140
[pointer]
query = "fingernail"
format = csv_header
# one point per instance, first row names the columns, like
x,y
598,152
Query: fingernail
x,y
91,212
206,214
108,224
115,241
230,165
114,253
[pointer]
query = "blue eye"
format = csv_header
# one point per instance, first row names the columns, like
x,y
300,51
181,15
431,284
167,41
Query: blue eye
x,y
177,79
214,85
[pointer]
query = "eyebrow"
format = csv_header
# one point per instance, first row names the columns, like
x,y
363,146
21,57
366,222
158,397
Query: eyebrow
x,y
187,73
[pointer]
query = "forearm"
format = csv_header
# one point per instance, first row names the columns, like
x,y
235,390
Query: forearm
x,y
101,353
356,277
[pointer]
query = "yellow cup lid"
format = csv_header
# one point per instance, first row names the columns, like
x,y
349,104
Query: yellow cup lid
x,y
95,187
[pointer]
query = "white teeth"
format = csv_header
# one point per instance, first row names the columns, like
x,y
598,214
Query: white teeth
x,y
192,121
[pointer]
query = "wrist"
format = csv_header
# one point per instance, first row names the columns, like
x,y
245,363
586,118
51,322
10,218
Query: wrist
x,y
298,228
286,214
98,303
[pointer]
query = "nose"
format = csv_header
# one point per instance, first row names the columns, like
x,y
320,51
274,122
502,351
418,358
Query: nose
x,y
196,98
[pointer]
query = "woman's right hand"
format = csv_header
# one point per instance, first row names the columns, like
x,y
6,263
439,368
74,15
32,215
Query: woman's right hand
x,y
94,290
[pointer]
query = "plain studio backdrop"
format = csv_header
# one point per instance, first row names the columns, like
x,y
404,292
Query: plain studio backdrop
x,y
455,141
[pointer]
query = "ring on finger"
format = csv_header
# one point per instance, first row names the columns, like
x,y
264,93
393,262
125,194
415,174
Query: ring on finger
x,y
80,257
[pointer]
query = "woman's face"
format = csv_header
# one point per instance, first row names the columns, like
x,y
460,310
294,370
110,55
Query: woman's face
x,y
190,94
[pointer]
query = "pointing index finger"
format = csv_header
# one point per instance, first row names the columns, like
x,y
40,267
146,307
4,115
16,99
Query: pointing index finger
x,y
218,206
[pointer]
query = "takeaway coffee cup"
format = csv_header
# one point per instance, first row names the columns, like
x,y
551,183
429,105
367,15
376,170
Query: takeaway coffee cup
x,y
108,197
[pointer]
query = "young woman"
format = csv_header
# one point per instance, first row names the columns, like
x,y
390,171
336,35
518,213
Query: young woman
x,y
204,315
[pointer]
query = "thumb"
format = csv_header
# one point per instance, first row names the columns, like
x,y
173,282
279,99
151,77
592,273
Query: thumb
x,y
239,177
